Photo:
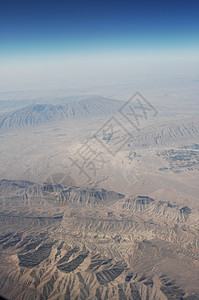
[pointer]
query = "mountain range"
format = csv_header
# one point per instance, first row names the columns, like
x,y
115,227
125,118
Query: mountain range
x,y
66,242
40,114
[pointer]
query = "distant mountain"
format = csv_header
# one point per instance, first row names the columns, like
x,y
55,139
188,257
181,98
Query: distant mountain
x,y
11,105
46,113
176,132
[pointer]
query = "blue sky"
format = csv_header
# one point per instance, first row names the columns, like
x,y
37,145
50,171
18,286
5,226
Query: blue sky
x,y
46,32
28,26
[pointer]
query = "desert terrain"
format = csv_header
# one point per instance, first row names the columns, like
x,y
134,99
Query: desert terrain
x,y
99,197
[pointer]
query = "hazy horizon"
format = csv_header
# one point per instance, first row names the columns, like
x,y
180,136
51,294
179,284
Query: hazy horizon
x,y
48,45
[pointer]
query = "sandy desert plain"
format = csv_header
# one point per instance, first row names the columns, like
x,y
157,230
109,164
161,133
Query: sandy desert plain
x,y
96,205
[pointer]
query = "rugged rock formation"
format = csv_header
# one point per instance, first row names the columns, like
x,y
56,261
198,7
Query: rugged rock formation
x,y
61,242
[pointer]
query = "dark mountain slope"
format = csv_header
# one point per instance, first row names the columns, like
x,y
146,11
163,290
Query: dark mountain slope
x,y
46,113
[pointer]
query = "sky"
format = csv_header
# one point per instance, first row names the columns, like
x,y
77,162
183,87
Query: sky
x,y
57,43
